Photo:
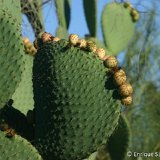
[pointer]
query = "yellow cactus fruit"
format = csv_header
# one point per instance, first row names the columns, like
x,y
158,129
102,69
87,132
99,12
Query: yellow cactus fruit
x,y
111,62
125,90
126,101
73,39
100,53
119,77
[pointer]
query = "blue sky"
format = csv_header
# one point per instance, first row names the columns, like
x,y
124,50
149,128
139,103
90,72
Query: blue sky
x,y
78,24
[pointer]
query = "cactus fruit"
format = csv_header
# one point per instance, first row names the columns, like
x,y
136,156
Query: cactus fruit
x,y
29,47
125,90
91,46
46,37
75,84
11,53
73,39
25,41
56,39
134,13
119,77
128,5
111,62
10,133
100,52
82,43
136,17
126,101
16,148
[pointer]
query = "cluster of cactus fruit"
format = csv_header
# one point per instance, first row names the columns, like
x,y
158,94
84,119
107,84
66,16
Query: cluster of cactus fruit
x,y
28,46
65,92
134,13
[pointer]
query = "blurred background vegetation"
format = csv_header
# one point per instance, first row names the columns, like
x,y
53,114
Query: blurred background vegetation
x,y
141,59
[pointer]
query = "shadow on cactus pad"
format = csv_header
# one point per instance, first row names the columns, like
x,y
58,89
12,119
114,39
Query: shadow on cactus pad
x,y
17,120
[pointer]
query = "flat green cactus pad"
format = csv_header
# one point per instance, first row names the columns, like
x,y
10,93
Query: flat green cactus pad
x,y
90,10
61,32
120,140
75,113
23,95
11,6
117,27
17,148
11,56
63,12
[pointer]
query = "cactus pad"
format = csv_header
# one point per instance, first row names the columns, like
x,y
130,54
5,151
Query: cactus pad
x,y
10,6
90,9
61,32
17,148
75,112
117,27
23,95
63,12
11,55
120,140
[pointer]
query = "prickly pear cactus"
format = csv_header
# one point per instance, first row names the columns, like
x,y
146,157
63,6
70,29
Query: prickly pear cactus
x,y
75,112
63,12
10,6
120,140
11,50
61,32
90,10
117,26
23,95
16,148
